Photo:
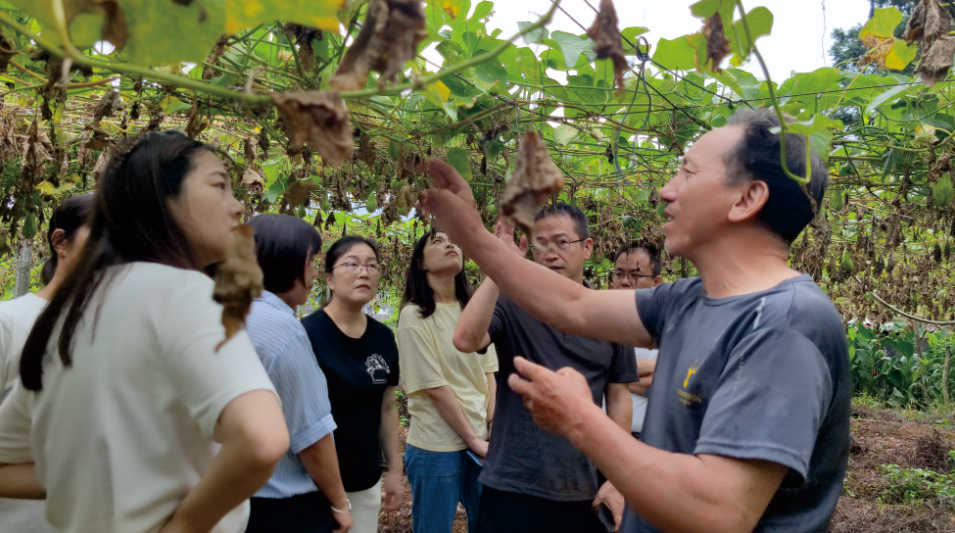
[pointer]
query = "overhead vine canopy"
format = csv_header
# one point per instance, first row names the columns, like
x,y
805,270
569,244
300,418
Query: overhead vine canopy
x,y
324,107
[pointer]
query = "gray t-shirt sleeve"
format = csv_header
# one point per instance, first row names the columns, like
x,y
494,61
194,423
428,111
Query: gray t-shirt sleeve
x,y
769,402
653,305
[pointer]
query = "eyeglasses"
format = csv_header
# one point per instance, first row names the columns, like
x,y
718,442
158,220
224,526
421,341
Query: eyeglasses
x,y
632,275
560,244
354,268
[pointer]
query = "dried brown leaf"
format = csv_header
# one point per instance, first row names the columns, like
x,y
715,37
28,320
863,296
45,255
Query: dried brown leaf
x,y
98,139
535,179
388,39
304,35
321,119
928,22
238,281
606,36
937,62
400,206
110,103
100,167
253,179
717,45
298,192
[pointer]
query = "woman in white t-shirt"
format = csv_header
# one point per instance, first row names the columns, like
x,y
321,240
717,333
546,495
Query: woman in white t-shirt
x,y
124,395
67,233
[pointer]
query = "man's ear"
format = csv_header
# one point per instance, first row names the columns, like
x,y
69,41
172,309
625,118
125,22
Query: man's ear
x,y
657,280
753,196
588,248
58,240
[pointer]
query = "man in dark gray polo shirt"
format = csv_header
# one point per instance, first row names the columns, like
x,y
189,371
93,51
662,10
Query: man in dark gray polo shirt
x,y
534,480
748,421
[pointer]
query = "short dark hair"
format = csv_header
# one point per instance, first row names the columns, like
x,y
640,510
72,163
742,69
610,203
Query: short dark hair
x,y
283,244
656,266
417,289
567,210
72,214
756,156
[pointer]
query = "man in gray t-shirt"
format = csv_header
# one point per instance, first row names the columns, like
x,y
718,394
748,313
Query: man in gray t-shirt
x,y
749,407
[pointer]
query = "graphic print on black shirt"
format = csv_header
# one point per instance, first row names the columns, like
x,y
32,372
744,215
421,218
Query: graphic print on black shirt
x,y
358,373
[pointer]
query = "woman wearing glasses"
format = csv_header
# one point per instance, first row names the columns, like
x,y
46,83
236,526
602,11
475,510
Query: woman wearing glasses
x,y
359,357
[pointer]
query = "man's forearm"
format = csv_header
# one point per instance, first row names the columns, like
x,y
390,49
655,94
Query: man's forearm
x,y
476,318
677,493
19,481
321,461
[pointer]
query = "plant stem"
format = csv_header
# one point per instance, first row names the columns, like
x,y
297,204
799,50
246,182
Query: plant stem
x,y
779,112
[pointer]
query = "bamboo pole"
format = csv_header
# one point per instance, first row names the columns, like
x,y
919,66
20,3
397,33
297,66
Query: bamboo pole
x,y
21,284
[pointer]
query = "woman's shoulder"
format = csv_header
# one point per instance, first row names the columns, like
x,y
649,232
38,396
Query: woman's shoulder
x,y
164,278
410,316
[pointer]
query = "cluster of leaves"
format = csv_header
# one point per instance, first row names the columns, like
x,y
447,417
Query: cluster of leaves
x,y
256,79
900,367
916,486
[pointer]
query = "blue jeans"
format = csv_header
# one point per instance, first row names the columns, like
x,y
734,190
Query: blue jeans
x,y
439,480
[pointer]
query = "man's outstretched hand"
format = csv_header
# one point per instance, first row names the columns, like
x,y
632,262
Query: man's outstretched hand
x,y
558,400
449,200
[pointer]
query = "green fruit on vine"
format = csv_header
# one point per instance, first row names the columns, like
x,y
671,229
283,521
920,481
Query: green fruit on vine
x,y
29,226
492,210
943,193
371,204
847,265
836,202
661,206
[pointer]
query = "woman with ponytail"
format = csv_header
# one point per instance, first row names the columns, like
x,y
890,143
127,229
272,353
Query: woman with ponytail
x,y
128,417
65,237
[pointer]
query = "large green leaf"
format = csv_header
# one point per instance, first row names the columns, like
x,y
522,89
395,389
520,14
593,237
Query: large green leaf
x,y
572,46
243,14
158,32
760,22
533,36
676,54
882,24
458,158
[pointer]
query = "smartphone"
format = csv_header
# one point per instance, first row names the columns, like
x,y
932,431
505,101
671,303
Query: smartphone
x,y
474,457
606,518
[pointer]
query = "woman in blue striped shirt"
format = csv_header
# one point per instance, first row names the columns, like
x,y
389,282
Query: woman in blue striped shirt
x,y
305,495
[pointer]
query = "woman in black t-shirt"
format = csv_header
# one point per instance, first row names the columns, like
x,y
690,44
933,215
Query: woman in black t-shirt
x,y
359,357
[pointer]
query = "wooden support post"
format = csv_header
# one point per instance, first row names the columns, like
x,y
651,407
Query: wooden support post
x,y
21,284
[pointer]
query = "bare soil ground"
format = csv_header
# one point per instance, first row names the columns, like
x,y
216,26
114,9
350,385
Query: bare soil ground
x,y
879,437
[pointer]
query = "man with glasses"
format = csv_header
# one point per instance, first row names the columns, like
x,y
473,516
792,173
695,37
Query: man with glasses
x,y
535,480
637,266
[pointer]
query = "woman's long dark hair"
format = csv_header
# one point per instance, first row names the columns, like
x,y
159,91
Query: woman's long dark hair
x,y
417,289
130,222
69,216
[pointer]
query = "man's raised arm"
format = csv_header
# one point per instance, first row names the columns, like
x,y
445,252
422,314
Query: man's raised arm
x,y
547,296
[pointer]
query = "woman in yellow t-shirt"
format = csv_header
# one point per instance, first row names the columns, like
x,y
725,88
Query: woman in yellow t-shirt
x,y
450,394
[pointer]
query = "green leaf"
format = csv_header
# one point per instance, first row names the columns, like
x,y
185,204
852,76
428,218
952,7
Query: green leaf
x,y
572,46
890,95
676,54
564,134
882,24
481,11
493,149
276,190
534,36
631,34
322,14
458,158
394,150
29,226
760,22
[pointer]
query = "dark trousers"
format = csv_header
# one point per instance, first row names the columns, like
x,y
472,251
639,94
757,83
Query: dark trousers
x,y
509,512
305,513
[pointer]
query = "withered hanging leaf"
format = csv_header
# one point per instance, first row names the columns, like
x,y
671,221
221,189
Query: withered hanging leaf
x,y
321,119
298,191
388,39
937,62
606,36
7,52
196,125
304,36
928,22
253,179
114,29
400,205
100,167
535,179
264,142
98,139
717,45
110,103
238,281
